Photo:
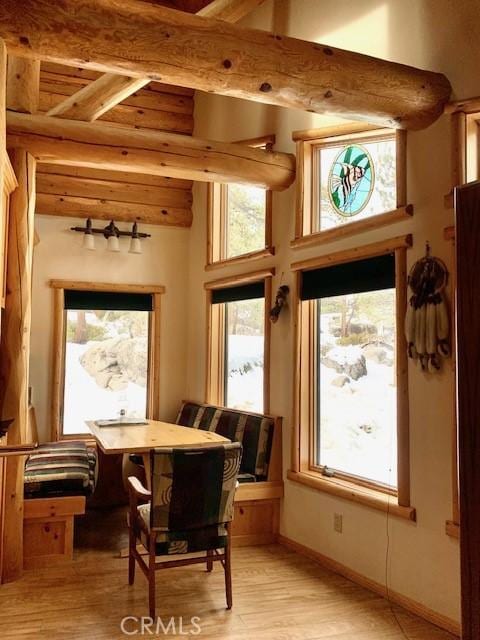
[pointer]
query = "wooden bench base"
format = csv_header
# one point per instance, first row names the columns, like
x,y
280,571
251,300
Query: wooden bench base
x,y
48,530
257,513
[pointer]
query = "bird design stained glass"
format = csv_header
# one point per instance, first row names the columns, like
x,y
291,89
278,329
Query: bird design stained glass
x,y
357,180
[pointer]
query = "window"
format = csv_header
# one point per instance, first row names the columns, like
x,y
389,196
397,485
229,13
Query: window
x,y
108,365
465,140
351,404
465,136
239,219
348,181
238,342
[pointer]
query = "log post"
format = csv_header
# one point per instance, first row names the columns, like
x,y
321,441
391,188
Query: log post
x,y
23,82
3,100
140,39
15,352
3,216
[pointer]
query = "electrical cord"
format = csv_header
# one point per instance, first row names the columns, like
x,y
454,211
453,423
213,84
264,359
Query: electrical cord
x,y
387,560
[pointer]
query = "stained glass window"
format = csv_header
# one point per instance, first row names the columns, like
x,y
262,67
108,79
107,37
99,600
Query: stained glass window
x,y
356,179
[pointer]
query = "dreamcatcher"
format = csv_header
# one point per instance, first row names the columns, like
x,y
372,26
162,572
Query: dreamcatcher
x,y
427,322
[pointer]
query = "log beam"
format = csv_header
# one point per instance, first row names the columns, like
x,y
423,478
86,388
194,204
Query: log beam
x,y
23,81
15,351
101,209
139,39
229,10
110,89
68,142
98,97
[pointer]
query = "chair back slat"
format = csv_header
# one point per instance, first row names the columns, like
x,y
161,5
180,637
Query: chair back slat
x,y
193,487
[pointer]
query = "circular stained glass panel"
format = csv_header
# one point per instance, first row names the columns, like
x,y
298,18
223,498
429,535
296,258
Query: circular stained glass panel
x,y
351,180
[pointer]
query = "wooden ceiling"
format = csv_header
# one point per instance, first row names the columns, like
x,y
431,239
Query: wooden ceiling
x,y
104,194
67,191
71,191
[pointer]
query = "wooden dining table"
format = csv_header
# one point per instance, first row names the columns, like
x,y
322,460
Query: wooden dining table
x,y
142,438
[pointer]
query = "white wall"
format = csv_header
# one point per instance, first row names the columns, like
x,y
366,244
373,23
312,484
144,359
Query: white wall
x,y
423,563
59,254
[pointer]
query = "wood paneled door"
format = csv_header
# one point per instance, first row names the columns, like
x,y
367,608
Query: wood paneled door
x,y
467,212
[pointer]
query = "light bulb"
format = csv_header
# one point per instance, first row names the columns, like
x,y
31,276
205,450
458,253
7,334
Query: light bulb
x,y
88,241
135,246
113,243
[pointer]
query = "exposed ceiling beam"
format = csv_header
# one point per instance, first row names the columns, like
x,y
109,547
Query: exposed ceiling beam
x,y
229,10
102,209
69,142
138,39
23,82
106,92
98,97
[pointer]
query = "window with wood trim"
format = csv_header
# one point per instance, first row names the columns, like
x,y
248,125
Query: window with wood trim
x,y
106,355
351,412
238,342
239,219
349,180
465,140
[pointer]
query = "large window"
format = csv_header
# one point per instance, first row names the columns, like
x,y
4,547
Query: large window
x,y
465,140
352,416
239,219
108,357
348,182
356,417
237,375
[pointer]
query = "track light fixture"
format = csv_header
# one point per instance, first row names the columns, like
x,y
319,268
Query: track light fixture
x,y
112,234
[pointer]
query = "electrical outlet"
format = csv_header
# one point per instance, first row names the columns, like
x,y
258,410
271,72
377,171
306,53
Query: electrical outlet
x,y
338,522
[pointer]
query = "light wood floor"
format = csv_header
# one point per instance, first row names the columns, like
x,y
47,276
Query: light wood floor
x,y
278,595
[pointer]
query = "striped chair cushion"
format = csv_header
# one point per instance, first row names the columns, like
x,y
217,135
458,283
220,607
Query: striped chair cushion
x,y
61,468
189,541
254,431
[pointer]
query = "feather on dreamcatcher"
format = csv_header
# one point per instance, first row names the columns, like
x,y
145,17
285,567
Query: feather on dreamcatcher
x,y
427,326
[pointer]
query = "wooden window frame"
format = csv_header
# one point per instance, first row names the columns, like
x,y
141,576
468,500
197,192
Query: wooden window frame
x,y
215,374
304,417
217,195
10,183
465,144
308,141
58,351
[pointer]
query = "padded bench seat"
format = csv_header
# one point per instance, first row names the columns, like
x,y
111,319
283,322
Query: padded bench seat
x,y
61,469
58,476
253,430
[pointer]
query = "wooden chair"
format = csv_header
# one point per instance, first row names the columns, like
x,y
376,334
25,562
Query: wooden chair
x,y
188,510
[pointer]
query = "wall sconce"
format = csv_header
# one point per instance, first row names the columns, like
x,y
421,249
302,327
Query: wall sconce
x,y
88,239
135,246
280,302
112,234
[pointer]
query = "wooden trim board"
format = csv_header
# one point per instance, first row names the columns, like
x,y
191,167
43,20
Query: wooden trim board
x,y
418,609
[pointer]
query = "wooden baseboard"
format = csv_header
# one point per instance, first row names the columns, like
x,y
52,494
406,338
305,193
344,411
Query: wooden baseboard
x,y
407,603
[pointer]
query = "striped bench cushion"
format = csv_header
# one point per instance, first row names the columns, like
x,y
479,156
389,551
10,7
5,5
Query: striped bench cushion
x,y
254,431
61,468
